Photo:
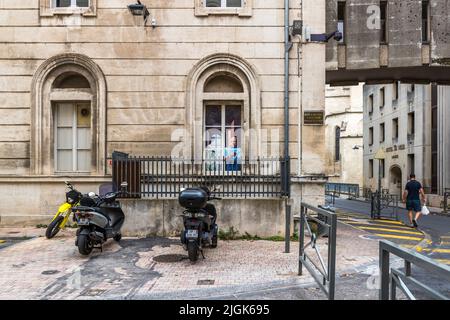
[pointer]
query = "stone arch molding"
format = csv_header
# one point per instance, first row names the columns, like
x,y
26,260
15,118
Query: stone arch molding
x,y
206,68
41,106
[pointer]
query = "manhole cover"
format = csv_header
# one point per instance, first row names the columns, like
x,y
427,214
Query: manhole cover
x,y
169,258
205,282
49,272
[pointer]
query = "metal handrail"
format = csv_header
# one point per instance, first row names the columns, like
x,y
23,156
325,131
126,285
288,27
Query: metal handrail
x,y
391,278
325,273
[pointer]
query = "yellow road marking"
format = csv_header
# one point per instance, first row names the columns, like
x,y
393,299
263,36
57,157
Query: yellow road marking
x,y
444,261
445,237
2,241
408,246
378,225
390,230
390,236
445,243
388,221
437,250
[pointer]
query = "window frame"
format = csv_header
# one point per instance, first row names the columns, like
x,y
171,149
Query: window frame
x,y
48,8
75,149
223,126
246,10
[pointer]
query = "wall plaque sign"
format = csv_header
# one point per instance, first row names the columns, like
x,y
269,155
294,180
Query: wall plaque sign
x,y
314,118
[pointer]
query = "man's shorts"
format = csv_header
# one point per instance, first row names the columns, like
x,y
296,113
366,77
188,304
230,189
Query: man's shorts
x,y
413,205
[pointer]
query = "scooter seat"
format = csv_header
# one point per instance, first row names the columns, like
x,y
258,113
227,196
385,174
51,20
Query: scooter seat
x,y
83,209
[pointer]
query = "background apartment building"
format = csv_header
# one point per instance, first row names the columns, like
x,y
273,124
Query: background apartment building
x,y
408,122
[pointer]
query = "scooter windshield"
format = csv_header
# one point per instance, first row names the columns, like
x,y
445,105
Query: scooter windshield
x,y
106,188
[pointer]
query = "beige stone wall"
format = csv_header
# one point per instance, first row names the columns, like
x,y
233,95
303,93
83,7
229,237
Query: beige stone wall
x,y
146,71
145,68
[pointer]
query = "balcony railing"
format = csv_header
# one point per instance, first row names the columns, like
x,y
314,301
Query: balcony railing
x,y
164,177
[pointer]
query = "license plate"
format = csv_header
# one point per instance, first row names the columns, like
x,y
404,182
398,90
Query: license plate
x,y
83,222
192,234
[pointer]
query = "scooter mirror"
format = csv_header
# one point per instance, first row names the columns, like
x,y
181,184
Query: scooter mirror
x,y
92,195
182,189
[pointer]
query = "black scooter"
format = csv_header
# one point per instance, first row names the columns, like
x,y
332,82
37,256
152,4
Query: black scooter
x,y
99,223
199,219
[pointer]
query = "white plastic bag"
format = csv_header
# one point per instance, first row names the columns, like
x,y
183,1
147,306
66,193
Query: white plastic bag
x,y
425,211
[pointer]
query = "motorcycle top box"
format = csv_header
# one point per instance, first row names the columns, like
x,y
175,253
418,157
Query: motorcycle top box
x,y
193,198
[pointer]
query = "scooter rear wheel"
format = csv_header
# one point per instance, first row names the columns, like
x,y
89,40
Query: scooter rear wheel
x,y
53,228
85,244
192,251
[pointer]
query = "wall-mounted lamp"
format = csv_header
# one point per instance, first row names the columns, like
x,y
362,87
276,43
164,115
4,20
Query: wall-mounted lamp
x,y
139,9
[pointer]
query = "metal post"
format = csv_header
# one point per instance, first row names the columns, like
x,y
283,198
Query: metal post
x,y
301,239
384,273
287,237
408,268
379,190
332,258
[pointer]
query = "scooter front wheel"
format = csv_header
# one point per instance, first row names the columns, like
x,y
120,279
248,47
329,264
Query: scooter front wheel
x,y
85,244
53,228
192,251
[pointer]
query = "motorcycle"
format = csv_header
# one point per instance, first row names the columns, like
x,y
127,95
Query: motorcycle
x,y
199,220
59,221
100,222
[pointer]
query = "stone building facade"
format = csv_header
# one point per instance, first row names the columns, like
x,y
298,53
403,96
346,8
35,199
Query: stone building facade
x,y
344,133
408,122
81,79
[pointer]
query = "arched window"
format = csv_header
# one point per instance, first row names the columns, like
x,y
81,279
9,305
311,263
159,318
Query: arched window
x,y
68,117
337,145
223,108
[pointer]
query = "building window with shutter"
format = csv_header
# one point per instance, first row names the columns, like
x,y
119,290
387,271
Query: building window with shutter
x,y
72,139
223,7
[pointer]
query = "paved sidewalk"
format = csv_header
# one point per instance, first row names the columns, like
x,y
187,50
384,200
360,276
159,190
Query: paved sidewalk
x,y
157,268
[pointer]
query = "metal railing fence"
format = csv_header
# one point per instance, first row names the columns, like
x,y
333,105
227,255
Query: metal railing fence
x,y
164,177
393,279
318,223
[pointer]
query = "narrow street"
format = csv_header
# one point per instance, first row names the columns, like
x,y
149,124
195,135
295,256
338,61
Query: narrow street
x,y
435,228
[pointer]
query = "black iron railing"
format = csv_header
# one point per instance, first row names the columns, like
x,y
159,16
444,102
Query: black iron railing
x,y
339,189
164,177
446,200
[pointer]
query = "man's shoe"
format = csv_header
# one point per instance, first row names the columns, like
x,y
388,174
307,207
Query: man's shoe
x,y
415,224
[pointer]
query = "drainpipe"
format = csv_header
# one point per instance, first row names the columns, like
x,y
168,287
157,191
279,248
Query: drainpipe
x,y
287,173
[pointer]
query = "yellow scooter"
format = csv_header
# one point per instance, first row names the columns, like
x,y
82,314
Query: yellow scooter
x,y
73,197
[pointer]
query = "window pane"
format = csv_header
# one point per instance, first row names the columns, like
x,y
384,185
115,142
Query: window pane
x,y
65,138
63,3
233,116
84,160
64,160
84,138
82,3
65,115
83,116
213,143
213,3
234,3
213,116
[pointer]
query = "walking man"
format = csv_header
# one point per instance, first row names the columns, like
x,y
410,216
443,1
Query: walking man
x,y
411,196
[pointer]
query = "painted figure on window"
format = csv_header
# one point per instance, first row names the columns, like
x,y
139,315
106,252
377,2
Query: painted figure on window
x,y
233,155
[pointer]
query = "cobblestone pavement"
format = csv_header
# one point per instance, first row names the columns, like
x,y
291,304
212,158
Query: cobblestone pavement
x,y
157,268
